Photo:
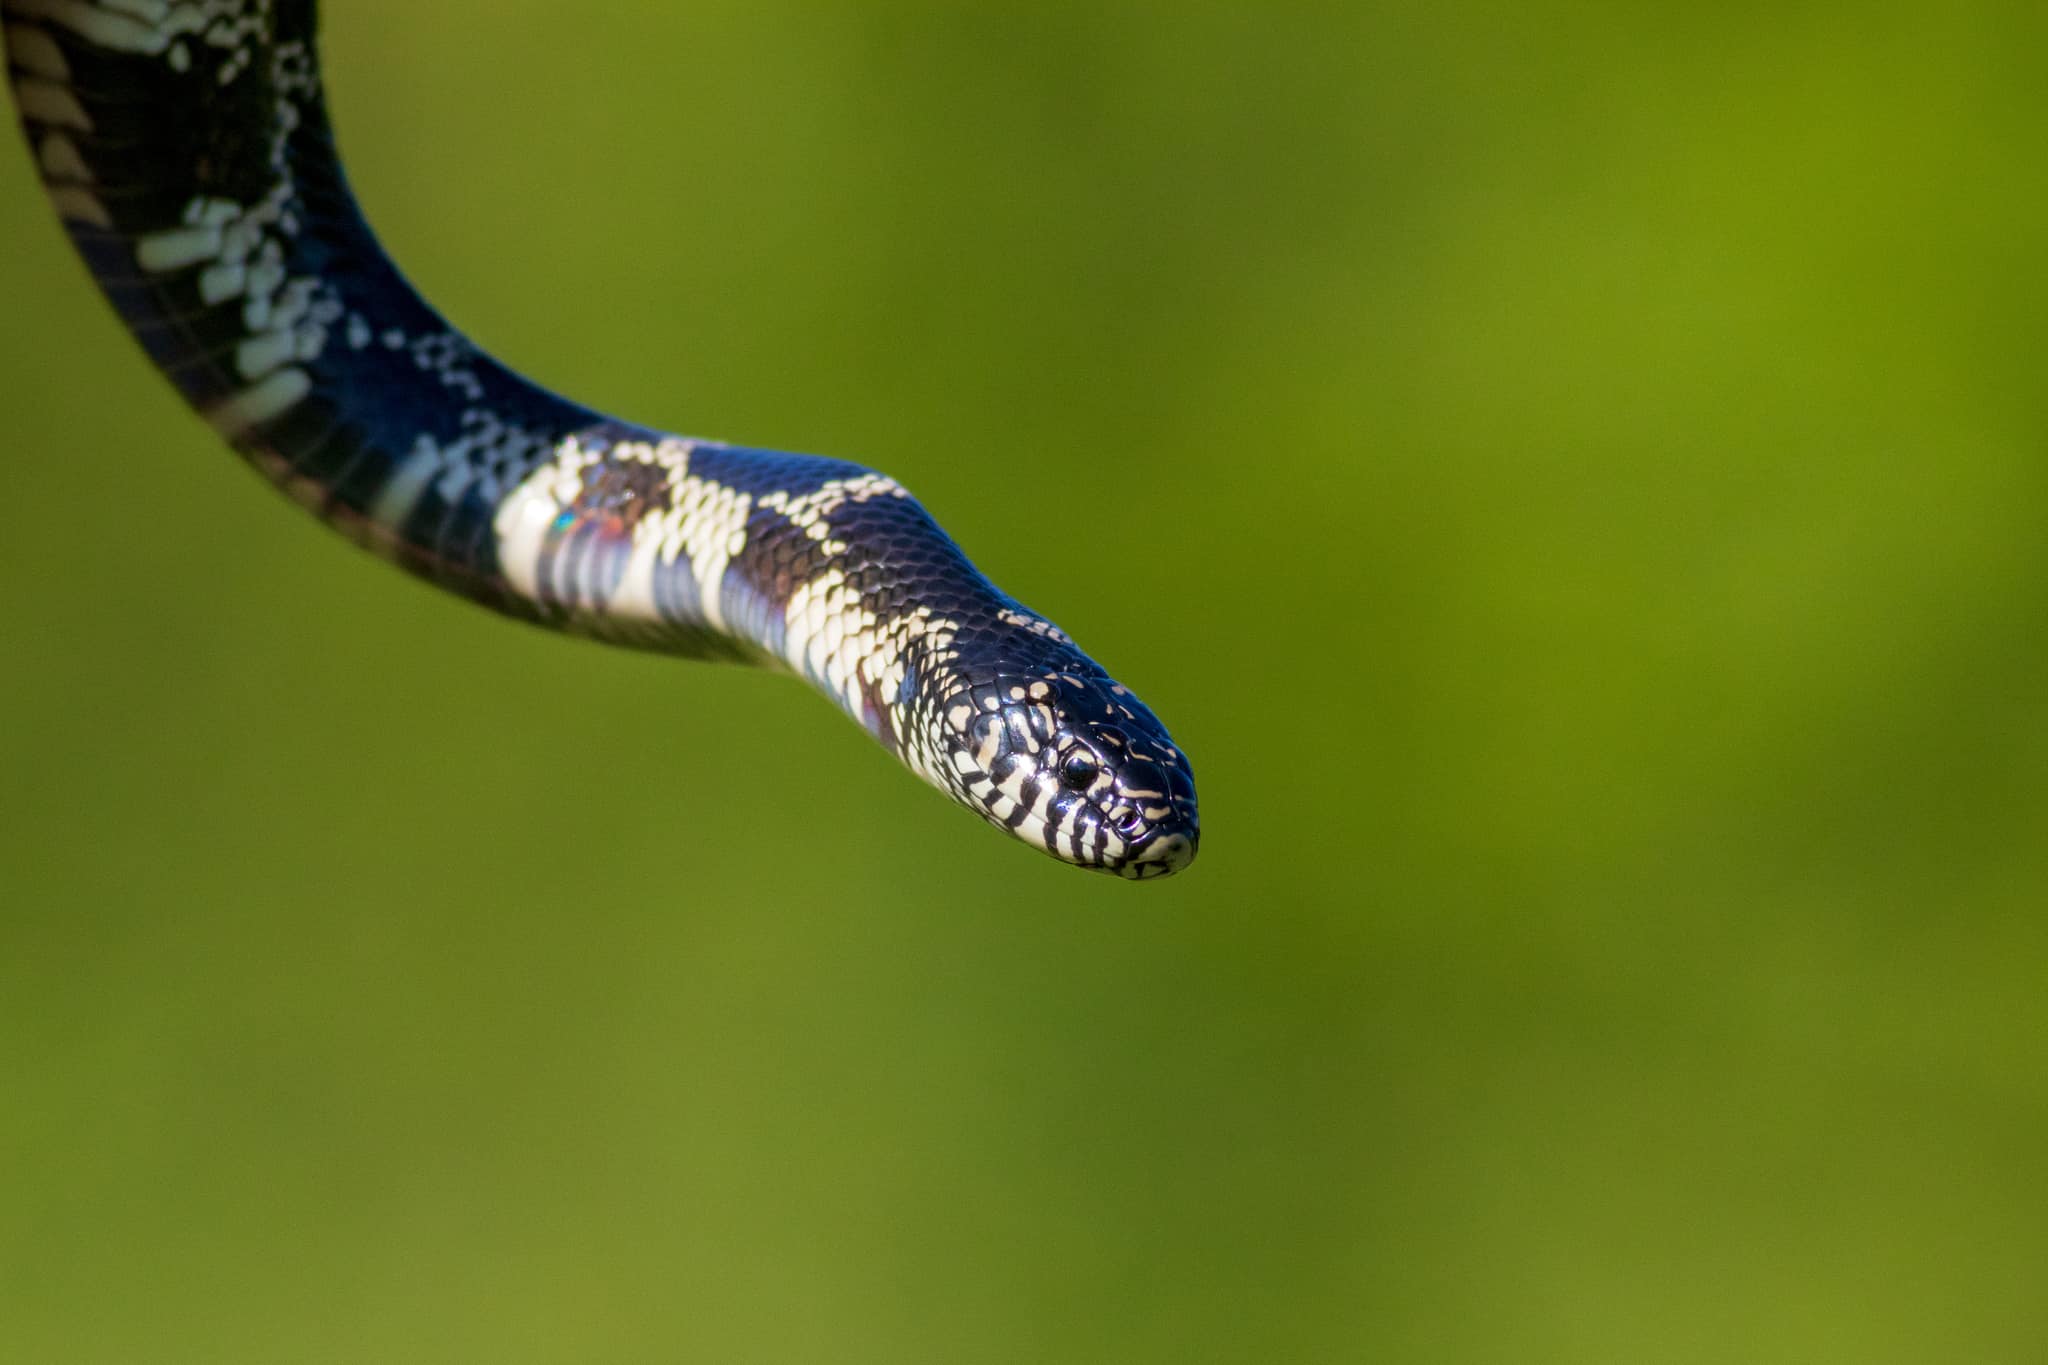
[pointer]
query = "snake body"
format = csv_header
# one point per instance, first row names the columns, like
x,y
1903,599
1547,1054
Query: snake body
x,y
187,148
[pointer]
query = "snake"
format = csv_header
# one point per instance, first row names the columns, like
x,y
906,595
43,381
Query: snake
x,y
187,148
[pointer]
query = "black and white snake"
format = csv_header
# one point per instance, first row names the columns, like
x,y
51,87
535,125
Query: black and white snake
x,y
186,145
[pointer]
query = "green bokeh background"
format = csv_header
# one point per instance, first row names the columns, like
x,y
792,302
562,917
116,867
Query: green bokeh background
x,y
1573,475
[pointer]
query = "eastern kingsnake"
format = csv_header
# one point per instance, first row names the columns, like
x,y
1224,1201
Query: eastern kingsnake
x,y
186,145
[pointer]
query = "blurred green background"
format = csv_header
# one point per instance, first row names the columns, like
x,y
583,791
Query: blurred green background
x,y
1574,476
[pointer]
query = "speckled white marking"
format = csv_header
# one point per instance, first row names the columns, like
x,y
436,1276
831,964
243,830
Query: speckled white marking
x,y
259,355
811,511
405,487
711,520
222,283
844,648
1037,625
263,401
485,455
287,316
178,248
449,357
212,212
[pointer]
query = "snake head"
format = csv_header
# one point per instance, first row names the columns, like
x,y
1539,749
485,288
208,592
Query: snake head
x,y
1067,759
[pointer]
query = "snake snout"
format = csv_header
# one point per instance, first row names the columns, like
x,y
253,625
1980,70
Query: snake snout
x,y
1162,852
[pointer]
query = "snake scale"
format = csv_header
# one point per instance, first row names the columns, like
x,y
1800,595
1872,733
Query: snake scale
x,y
187,148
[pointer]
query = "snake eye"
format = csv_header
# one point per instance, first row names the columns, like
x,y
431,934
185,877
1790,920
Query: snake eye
x,y
1078,772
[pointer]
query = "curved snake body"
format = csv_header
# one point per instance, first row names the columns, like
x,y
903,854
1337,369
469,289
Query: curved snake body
x,y
187,148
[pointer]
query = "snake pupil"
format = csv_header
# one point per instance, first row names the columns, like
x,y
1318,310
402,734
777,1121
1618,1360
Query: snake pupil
x,y
1078,772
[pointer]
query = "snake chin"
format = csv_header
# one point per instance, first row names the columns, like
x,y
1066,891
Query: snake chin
x,y
1161,853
